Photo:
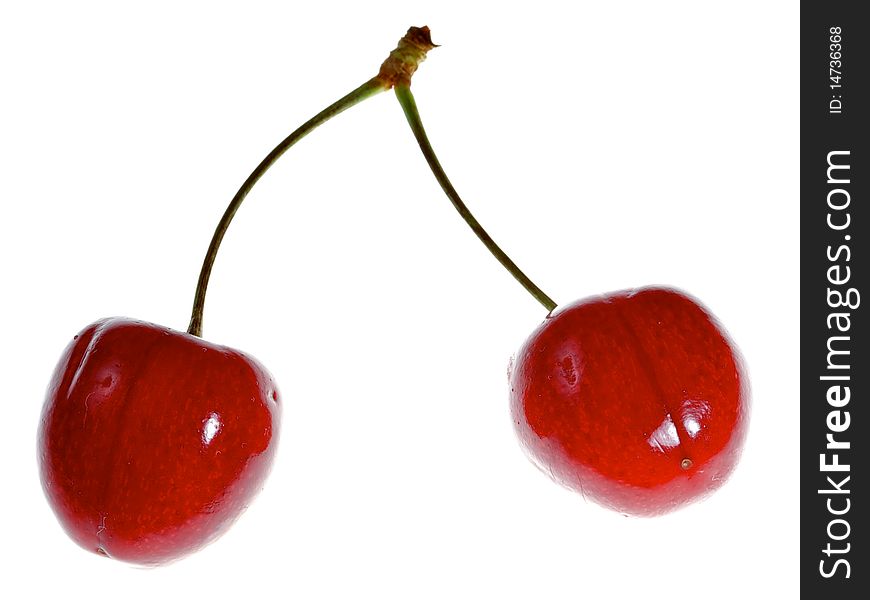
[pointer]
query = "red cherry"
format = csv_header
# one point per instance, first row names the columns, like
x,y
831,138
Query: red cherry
x,y
152,442
636,399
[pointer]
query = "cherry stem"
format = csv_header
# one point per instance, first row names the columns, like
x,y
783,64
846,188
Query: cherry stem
x,y
397,69
395,72
366,90
406,99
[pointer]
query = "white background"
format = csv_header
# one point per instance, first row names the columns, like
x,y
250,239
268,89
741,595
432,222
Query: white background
x,y
603,145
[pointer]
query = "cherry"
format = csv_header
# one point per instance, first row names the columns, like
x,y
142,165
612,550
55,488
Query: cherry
x,y
635,399
152,442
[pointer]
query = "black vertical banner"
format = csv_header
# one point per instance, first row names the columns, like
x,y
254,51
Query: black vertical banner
x,y
835,300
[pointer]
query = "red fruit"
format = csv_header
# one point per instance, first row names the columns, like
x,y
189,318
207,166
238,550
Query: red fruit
x,y
152,441
637,399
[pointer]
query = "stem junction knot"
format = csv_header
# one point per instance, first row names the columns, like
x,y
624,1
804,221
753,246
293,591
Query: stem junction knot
x,y
404,60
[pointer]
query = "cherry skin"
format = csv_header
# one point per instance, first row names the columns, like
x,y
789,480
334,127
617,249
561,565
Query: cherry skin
x,y
152,442
637,399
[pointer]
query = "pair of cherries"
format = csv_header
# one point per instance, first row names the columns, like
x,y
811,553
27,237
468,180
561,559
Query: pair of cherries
x,y
152,441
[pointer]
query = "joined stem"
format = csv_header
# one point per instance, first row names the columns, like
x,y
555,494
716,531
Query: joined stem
x,y
395,72
409,106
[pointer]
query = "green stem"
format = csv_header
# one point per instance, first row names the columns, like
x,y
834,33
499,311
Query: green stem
x,y
366,90
406,99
